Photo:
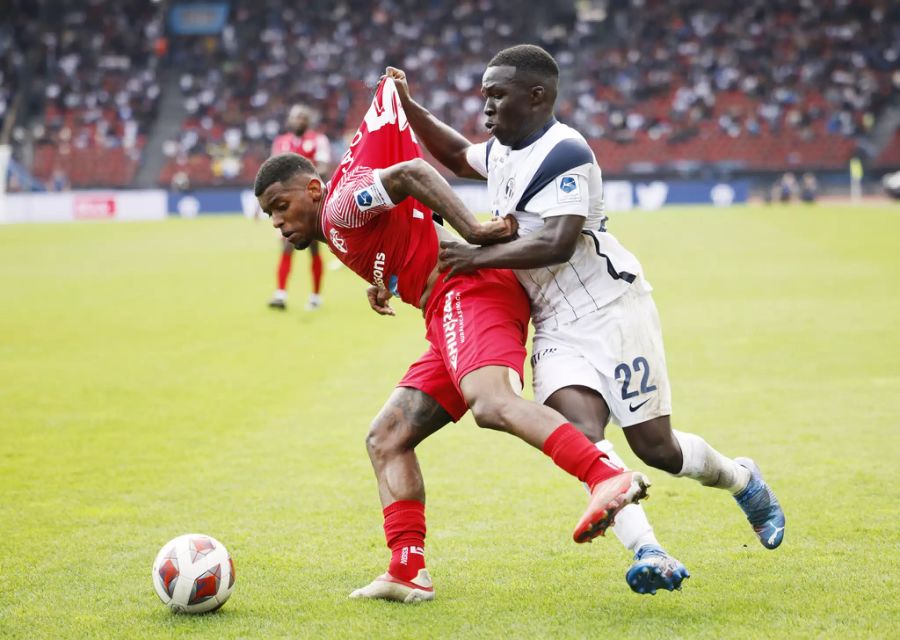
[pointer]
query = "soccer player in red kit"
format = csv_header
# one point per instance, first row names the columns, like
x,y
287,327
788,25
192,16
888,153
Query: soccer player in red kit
x,y
302,140
376,215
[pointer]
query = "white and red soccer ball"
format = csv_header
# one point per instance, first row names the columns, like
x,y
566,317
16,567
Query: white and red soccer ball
x,y
193,574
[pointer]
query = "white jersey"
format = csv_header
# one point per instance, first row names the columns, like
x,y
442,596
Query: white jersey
x,y
551,173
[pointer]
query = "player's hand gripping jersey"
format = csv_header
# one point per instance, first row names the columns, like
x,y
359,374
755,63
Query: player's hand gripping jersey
x,y
389,245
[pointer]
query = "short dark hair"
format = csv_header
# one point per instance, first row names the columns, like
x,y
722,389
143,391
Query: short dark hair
x,y
281,168
529,60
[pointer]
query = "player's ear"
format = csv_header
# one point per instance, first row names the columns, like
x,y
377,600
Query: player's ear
x,y
537,94
315,188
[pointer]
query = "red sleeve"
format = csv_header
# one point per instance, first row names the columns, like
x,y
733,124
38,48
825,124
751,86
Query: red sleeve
x,y
358,198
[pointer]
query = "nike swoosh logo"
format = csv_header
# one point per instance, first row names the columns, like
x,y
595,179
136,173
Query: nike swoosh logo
x,y
633,408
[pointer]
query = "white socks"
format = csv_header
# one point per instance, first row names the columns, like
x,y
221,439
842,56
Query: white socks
x,y
708,466
632,527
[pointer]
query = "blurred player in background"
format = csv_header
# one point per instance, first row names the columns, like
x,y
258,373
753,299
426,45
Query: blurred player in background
x,y
785,189
598,348
809,188
314,146
375,215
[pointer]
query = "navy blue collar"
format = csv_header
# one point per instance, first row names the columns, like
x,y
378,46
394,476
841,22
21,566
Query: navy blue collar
x,y
531,139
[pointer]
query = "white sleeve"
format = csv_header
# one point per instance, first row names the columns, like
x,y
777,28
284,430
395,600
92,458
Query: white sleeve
x,y
476,156
381,194
568,194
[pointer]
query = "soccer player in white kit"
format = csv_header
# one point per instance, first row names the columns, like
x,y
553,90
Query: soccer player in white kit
x,y
598,349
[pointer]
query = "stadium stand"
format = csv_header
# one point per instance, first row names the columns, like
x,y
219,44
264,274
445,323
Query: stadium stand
x,y
656,85
97,93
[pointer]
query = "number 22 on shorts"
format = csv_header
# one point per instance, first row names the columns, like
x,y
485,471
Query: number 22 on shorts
x,y
623,374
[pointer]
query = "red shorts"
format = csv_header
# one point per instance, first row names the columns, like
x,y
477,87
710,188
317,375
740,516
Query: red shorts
x,y
474,320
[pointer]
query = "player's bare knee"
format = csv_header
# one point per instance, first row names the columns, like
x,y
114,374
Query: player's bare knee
x,y
492,412
386,436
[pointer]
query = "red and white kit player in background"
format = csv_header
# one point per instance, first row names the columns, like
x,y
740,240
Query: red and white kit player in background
x,y
313,145
376,215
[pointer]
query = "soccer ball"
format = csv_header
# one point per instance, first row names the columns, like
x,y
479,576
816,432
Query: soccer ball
x,y
193,573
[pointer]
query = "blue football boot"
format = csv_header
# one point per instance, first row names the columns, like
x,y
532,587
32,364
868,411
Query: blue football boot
x,y
761,507
654,569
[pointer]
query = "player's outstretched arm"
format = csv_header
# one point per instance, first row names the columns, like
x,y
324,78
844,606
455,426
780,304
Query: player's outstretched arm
x,y
418,179
442,141
553,244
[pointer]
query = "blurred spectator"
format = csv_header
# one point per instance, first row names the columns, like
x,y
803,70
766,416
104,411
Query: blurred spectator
x,y
180,182
785,189
809,188
59,181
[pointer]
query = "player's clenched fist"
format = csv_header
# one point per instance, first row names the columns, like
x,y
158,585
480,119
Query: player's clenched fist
x,y
399,77
496,231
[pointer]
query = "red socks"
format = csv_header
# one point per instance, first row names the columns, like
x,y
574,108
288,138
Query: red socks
x,y
575,454
316,273
404,520
284,269
404,529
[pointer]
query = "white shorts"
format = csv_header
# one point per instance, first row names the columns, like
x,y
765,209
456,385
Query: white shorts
x,y
617,351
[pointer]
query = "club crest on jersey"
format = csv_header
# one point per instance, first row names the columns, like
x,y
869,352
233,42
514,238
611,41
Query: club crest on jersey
x,y
510,188
567,189
337,241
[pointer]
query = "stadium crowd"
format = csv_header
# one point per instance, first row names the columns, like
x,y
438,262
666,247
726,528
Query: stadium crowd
x,y
14,33
762,84
95,89
238,88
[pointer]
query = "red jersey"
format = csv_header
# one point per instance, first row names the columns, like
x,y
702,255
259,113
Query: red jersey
x,y
390,245
311,145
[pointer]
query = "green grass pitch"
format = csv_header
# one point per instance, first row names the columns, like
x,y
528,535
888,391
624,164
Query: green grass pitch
x,y
146,391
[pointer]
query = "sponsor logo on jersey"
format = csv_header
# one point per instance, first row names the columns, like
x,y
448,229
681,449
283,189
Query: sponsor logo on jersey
x,y
454,327
567,189
337,241
378,270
